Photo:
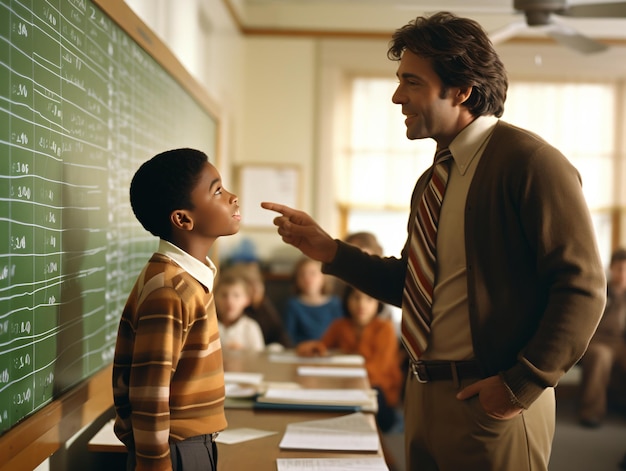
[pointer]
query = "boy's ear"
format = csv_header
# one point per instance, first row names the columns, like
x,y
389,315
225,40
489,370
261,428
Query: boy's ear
x,y
181,219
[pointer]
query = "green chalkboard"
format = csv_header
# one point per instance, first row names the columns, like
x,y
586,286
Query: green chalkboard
x,y
83,102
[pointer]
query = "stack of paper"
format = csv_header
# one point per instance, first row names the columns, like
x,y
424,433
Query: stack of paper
x,y
347,399
334,359
241,386
353,432
332,371
332,464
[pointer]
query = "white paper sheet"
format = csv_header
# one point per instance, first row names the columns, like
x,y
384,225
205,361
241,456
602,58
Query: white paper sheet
x,y
238,435
332,464
352,432
340,372
291,357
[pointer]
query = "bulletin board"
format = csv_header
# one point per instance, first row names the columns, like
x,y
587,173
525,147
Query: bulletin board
x,y
262,182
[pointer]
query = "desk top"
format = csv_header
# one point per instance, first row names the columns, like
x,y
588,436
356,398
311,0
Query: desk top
x,y
261,453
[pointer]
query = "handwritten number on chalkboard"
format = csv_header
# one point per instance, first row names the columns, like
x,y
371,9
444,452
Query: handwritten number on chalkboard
x,y
20,90
22,30
23,192
23,397
22,361
20,167
18,242
21,328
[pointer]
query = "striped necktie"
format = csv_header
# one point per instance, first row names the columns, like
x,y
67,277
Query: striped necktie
x,y
417,298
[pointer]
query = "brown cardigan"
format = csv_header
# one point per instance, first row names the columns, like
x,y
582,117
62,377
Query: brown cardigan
x,y
536,286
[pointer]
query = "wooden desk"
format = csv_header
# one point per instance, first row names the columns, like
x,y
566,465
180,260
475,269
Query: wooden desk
x,y
261,454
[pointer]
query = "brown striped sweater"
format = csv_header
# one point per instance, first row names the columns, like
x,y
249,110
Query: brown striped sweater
x,y
168,376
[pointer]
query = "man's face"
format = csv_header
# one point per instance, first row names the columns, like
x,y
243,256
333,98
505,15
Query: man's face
x,y
430,112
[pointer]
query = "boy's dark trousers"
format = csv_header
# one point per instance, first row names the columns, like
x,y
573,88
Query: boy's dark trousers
x,y
193,454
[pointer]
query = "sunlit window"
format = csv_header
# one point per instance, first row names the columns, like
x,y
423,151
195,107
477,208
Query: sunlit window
x,y
379,167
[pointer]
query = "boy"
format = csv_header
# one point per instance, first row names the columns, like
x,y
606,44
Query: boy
x,y
168,377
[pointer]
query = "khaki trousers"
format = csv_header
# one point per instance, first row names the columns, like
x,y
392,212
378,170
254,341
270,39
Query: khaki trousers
x,y
445,434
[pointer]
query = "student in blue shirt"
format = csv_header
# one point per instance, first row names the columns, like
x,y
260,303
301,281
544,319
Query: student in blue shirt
x,y
312,309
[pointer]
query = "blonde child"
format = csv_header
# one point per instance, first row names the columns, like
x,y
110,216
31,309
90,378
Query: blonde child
x,y
233,294
261,307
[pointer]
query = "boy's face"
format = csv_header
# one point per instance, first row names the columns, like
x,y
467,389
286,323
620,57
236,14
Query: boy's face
x,y
216,211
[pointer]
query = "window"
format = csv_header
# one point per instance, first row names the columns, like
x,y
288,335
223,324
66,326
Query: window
x,y
379,167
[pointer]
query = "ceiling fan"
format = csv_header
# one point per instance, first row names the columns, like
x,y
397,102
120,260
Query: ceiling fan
x,y
544,15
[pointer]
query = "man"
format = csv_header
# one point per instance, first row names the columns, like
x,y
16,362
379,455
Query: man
x,y
607,349
518,283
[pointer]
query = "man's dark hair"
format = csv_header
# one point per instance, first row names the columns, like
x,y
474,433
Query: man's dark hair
x,y
164,184
462,55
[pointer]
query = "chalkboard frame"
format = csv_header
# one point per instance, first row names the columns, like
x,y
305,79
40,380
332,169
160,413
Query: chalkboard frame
x,y
35,438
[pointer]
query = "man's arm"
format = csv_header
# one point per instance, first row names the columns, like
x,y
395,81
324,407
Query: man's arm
x,y
380,277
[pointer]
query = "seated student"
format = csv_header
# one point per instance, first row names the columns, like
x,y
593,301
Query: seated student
x,y
309,313
605,358
368,243
362,331
233,295
261,308
168,377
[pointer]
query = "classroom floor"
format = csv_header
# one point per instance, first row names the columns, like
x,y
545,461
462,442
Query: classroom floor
x,y
575,448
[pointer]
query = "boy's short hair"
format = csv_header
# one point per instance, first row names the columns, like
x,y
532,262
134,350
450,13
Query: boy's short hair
x,y
164,184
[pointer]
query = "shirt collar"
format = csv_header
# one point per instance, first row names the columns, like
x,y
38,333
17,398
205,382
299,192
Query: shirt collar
x,y
471,141
204,273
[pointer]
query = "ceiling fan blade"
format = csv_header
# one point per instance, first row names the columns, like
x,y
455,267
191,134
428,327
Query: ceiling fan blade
x,y
596,10
507,32
573,39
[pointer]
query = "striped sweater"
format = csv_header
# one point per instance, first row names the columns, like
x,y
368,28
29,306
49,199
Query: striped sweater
x,y
168,376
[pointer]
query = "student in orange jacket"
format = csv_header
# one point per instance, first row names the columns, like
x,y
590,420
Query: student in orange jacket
x,y
361,331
